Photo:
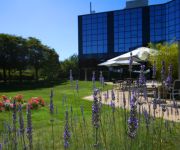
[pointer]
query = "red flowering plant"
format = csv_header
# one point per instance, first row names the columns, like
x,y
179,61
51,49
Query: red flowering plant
x,y
19,99
1,106
5,102
41,101
36,102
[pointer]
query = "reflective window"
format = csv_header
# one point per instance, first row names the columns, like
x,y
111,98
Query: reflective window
x,y
164,21
94,33
127,29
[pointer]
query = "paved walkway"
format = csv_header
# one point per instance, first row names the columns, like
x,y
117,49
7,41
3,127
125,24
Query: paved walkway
x,y
170,113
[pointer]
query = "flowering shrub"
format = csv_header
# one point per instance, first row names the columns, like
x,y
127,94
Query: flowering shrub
x,y
7,103
1,106
36,102
19,99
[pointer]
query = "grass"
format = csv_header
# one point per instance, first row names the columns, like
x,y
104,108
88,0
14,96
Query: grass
x,y
42,116
112,133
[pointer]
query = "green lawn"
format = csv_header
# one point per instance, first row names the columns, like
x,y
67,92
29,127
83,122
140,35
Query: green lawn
x,y
112,133
42,115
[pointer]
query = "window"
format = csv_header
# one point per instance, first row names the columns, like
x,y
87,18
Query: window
x,y
94,36
128,30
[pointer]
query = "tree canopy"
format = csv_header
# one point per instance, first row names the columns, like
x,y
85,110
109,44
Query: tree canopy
x,y
168,54
20,54
68,64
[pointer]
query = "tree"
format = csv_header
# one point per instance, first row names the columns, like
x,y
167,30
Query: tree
x,y
50,67
69,64
4,39
36,54
19,54
13,54
168,54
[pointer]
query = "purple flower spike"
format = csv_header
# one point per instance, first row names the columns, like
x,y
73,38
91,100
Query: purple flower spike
x,y
132,121
29,127
169,78
82,110
67,134
14,116
14,125
71,77
146,116
95,109
113,95
130,62
77,86
112,106
51,106
101,78
154,70
142,79
21,121
163,71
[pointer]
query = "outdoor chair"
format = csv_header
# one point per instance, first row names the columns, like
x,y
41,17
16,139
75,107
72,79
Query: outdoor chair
x,y
176,89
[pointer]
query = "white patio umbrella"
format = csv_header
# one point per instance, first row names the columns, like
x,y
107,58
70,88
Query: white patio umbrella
x,y
108,63
117,63
125,56
139,54
145,52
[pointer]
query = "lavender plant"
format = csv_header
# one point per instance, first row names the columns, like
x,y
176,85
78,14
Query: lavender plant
x,y
132,121
101,79
77,86
93,80
71,77
95,115
163,71
67,134
112,104
169,77
21,126
154,70
146,116
29,128
142,79
51,106
113,95
14,117
130,64
82,113
154,105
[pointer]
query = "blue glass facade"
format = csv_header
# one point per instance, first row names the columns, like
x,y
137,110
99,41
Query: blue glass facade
x,y
127,29
108,34
165,22
94,33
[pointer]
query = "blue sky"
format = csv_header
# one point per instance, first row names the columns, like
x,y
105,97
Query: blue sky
x,y
54,22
